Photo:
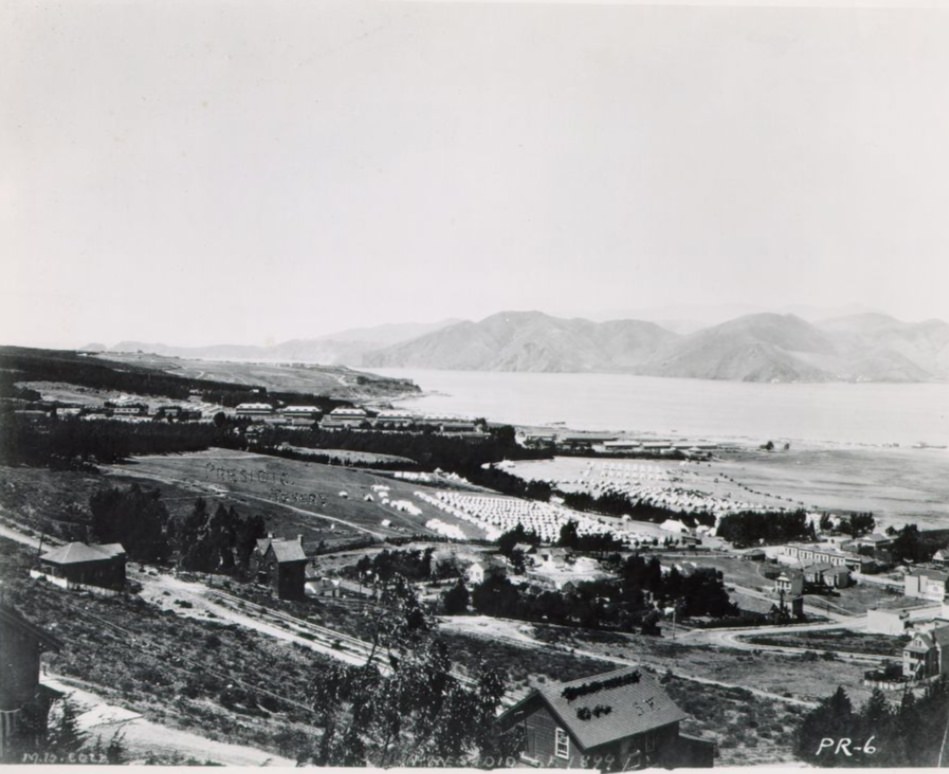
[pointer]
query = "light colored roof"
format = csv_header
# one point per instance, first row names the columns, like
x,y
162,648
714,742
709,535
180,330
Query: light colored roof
x,y
77,553
254,407
301,410
348,412
287,551
637,704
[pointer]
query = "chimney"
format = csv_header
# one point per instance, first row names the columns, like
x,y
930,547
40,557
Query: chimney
x,y
300,540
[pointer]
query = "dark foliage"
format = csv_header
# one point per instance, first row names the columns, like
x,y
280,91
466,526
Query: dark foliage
x,y
752,528
135,518
618,504
911,733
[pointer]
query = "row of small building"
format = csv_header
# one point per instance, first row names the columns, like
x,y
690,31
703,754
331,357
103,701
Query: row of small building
x,y
100,568
613,444
352,417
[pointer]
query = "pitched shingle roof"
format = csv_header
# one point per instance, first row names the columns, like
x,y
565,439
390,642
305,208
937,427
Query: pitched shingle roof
x,y
10,615
78,553
288,551
636,702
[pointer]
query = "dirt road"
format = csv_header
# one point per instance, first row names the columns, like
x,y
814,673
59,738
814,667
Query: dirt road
x,y
99,718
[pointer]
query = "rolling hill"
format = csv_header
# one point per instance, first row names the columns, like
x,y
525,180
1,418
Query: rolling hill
x,y
757,347
528,341
760,347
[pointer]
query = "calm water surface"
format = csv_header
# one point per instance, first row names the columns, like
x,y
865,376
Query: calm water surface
x,y
694,408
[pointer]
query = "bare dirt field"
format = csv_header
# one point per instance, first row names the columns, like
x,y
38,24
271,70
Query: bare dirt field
x,y
899,485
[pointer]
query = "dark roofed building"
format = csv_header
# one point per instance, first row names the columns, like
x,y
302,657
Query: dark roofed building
x,y
612,721
281,564
80,564
24,701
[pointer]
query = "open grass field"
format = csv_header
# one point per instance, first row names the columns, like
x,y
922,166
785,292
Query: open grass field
x,y
785,675
298,497
837,640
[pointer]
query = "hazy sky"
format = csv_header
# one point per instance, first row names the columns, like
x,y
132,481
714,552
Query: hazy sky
x,y
201,172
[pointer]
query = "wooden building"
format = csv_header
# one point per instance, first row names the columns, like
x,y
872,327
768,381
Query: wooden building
x,y
24,701
77,564
927,654
281,564
613,721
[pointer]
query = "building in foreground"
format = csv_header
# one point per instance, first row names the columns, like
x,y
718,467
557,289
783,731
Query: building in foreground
x,y
281,564
80,565
613,721
927,654
24,700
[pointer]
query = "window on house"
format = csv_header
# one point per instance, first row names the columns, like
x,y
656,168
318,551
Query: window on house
x,y
561,744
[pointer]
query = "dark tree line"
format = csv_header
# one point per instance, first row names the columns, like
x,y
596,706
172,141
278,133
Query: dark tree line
x,y
461,454
749,528
221,541
618,504
911,732
411,565
625,603
74,443
598,541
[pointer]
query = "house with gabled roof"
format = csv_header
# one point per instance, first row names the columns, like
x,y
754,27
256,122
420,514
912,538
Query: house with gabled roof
x,y
612,721
79,565
24,700
281,564
927,654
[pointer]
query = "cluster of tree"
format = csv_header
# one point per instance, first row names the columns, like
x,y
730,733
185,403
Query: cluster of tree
x,y
135,517
221,542
912,733
857,524
625,603
618,504
218,542
74,443
411,565
10,389
598,541
701,592
456,600
749,528
415,713
909,543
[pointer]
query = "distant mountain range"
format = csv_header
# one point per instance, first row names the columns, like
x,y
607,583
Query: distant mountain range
x,y
343,348
756,347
